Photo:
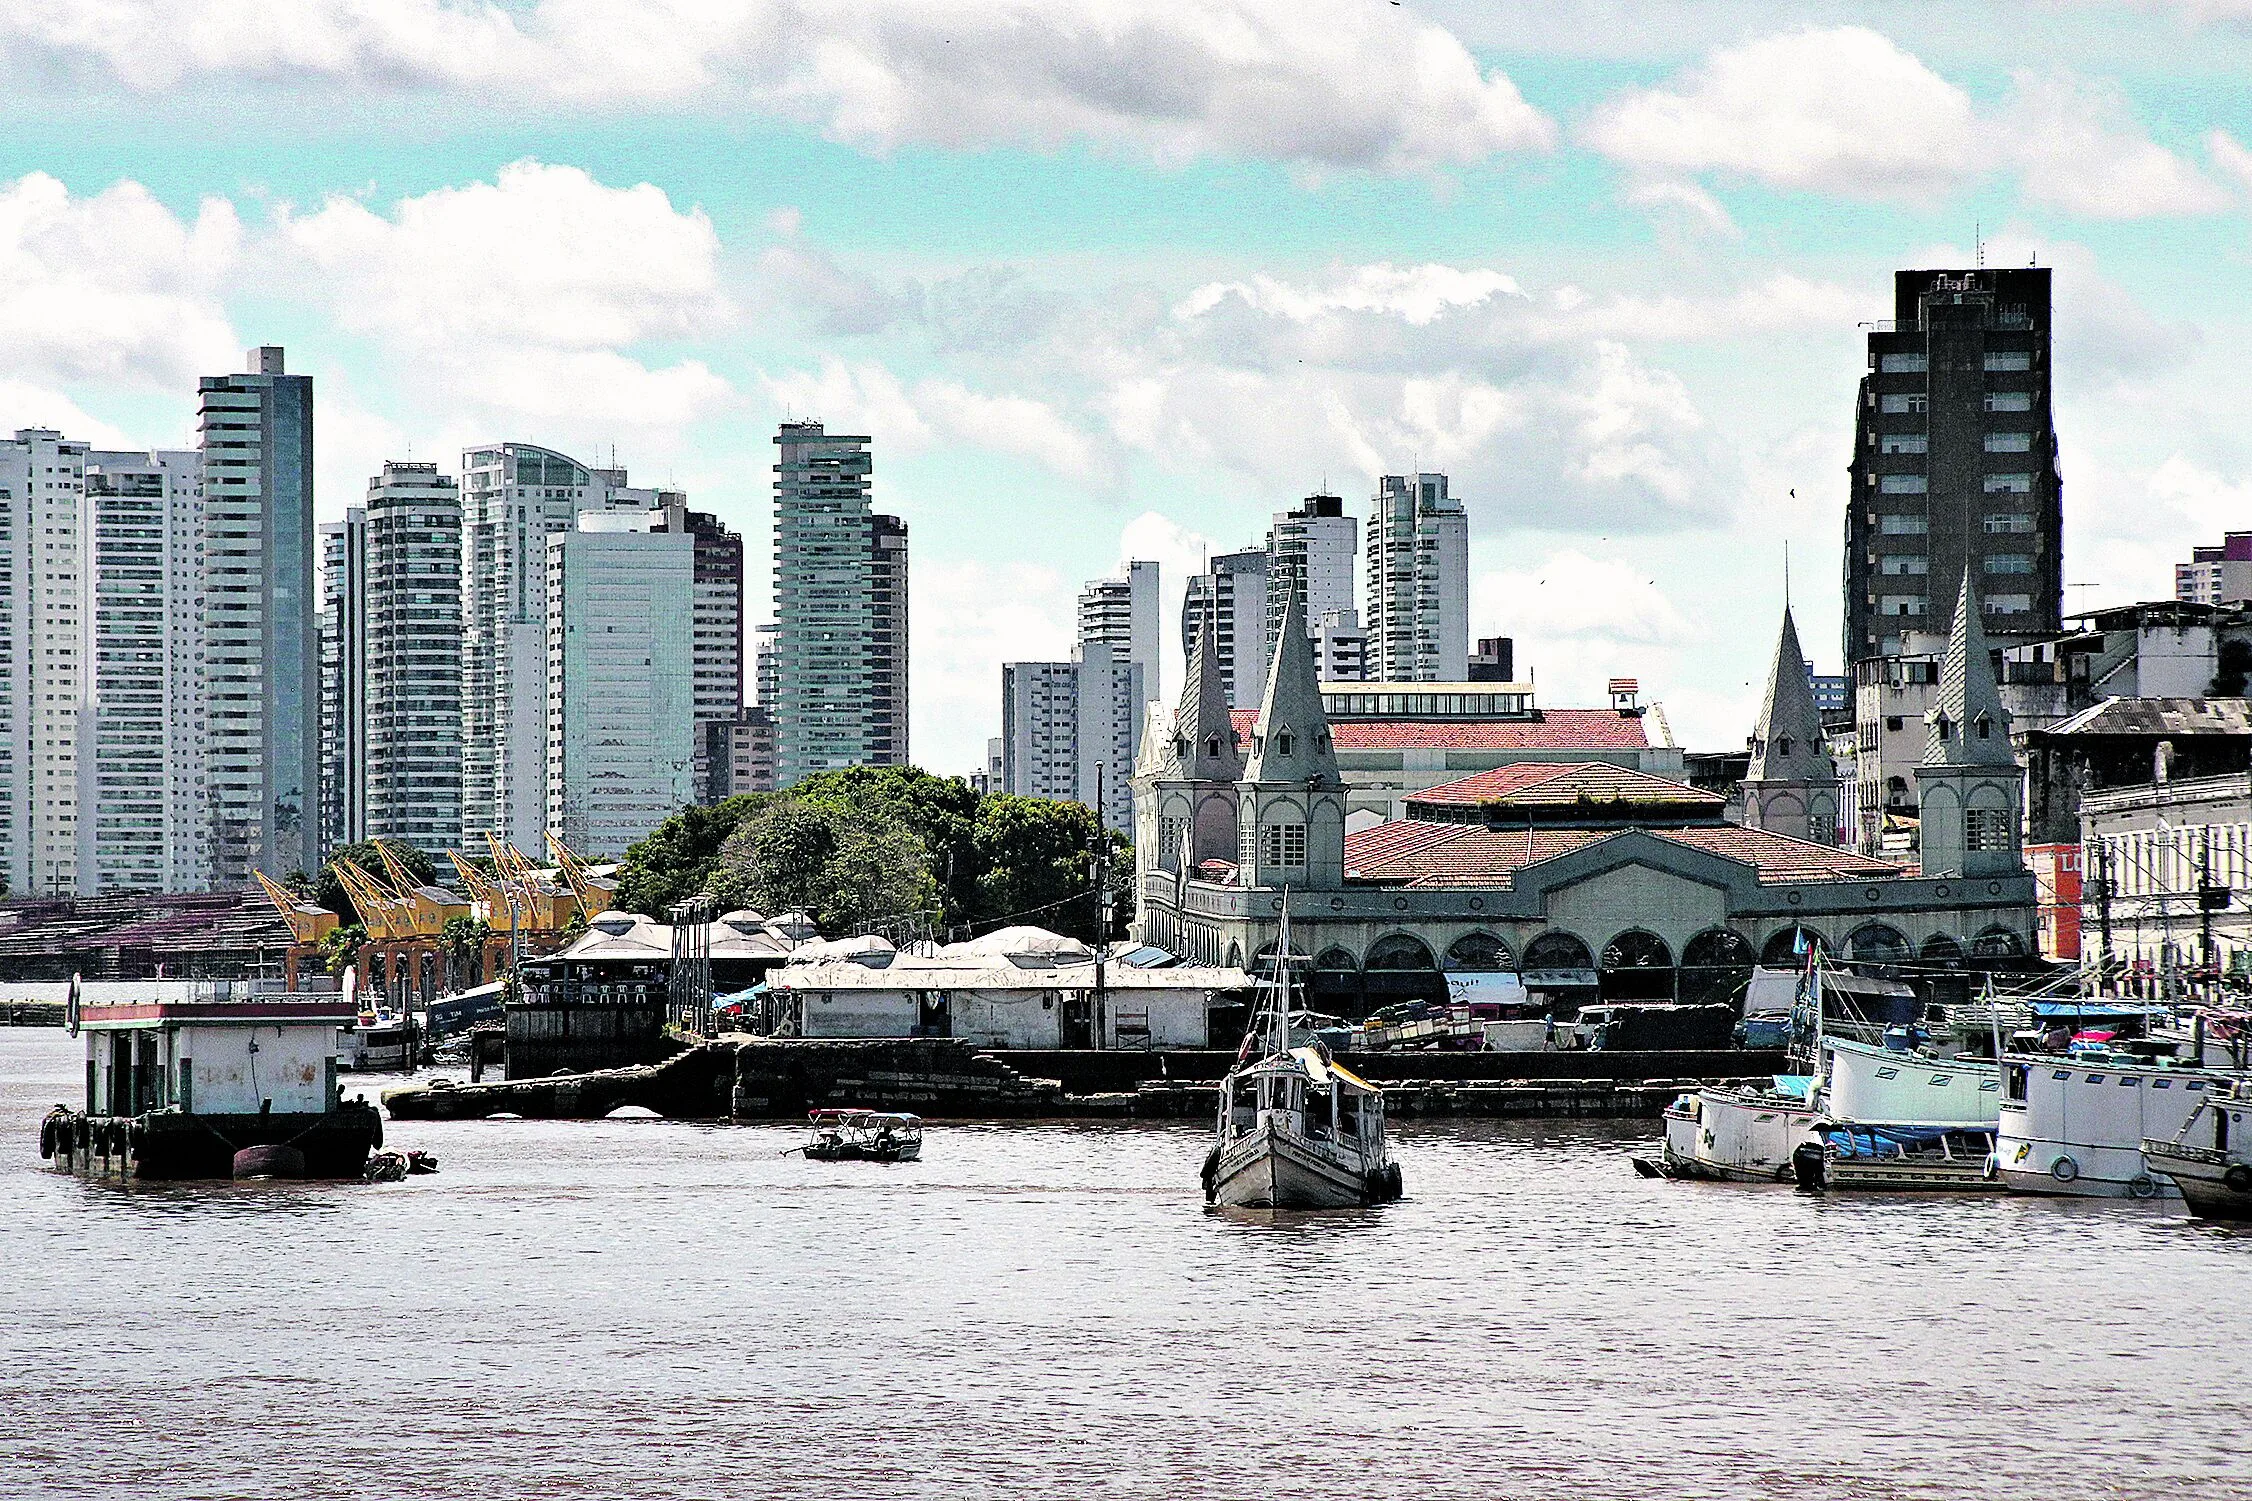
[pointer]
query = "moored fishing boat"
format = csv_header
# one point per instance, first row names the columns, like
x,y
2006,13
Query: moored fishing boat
x,y
1896,1118
1296,1130
1735,1134
2209,1161
2076,1124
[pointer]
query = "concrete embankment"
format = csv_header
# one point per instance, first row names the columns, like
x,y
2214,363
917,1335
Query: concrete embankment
x,y
31,1013
765,1079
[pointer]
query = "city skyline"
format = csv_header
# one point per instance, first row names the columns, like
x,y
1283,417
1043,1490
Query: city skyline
x,y
1603,280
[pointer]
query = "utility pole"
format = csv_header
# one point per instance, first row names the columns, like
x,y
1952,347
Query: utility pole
x,y
1102,905
2103,911
2205,906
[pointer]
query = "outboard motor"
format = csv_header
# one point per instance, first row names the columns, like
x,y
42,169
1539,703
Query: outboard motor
x,y
1807,1166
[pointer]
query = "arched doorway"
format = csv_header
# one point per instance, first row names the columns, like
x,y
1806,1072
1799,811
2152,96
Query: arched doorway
x,y
1941,949
1336,984
1787,948
1480,953
1559,971
1716,965
1636,966
1997,948
1399,967
1878,949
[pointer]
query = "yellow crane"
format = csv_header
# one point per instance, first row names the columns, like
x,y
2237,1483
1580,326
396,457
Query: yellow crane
x,y
384,916
487,898
307,923
537,901
594,895
429,908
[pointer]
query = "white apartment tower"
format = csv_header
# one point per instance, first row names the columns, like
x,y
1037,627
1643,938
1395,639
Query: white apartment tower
x,y
620,701
1418,582
514,496
1060,721
42,600
143,811
1122,613
412,721
840,610
1232,595
344,684
1311,553
261,637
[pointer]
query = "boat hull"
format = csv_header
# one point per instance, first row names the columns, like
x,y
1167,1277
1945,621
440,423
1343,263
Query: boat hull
x,y
1720,1136
2202,1177
175,1146
1270,1169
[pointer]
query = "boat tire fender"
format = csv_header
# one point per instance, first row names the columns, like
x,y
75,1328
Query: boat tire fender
x,y
1211,1173
1992,1168
2142,1186
2064,1169
1393,1180
2238,1178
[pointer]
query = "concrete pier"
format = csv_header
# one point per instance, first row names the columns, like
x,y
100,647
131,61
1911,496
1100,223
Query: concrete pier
x,y
754,1078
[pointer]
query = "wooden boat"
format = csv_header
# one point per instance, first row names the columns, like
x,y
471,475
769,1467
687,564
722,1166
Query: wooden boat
x,y
1733,1135
2209,1161
2076,1124
1296,1130
1914,1159
865,1136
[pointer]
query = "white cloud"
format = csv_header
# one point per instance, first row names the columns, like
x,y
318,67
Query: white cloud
x,y
113,288
522,295
1847,111
27,405
861,398
2228,154
1572,597
1322,84
1685,199
969,617
1417,294
1840,110
867,397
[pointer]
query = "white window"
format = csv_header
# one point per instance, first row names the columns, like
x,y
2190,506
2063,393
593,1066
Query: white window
x,y
1904,401
1902,484
1901,604
2009,359
1903,526
1283,844
2009,484
1903,443
1986,829
1902,564
2009,562
2009,401
2009,442
2008,604
1903,364
2006,523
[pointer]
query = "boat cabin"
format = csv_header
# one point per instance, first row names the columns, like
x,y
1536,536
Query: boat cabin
x,y
1309,1097
212,1057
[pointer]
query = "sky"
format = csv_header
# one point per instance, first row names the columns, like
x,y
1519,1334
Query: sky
x,y
1108,280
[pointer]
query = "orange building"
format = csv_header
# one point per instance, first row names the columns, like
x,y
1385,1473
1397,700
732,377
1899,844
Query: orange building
x,y
2056,883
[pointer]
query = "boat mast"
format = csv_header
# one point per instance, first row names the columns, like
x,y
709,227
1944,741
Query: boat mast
x,y
1281,1042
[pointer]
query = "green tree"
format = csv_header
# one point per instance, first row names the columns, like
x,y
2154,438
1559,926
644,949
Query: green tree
x,y
678,858
329,892
1035,861
462,940
850,867
340,947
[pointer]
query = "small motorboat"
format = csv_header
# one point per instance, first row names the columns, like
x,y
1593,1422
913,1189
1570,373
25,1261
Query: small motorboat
x,y
865,1136
1851,1155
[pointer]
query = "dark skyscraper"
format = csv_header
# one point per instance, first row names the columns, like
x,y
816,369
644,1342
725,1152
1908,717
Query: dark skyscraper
x,y
1954,464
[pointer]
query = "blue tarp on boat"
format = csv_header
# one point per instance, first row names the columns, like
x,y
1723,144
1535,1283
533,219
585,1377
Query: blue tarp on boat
x,y
1894,1141
2092,1008
1797,1086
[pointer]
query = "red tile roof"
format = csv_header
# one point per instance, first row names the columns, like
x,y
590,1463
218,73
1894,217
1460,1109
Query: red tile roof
x,y
1553,729
1412,852
1552,784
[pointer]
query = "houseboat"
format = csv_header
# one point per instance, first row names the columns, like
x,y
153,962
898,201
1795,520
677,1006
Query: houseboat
x,y
208,1080
2210,1159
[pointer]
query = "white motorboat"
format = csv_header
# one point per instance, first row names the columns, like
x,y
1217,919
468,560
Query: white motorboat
x,y
2209,1160
1735,1135
2076,1123
1297,1130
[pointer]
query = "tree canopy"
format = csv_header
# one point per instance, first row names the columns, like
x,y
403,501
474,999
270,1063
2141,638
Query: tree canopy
x,y
873,846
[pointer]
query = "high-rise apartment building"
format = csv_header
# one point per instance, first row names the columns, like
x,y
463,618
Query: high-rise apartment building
x,y
261,636
1954,464
739,753
1311,551
1340,646
1495,660
1418,604
1061,721
1232,594
887,650
1122,613
2220,575
143,815
621,686
840,610
514,496
718,644
413,658
344,681
42,603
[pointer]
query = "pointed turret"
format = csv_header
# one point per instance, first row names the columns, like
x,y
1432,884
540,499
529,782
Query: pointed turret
x,y
1204,737
1290,740
1968,789
1967,726
1787,746
1791,786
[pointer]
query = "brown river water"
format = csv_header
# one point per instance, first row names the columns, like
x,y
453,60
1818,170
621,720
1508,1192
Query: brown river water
x,y
668,1310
